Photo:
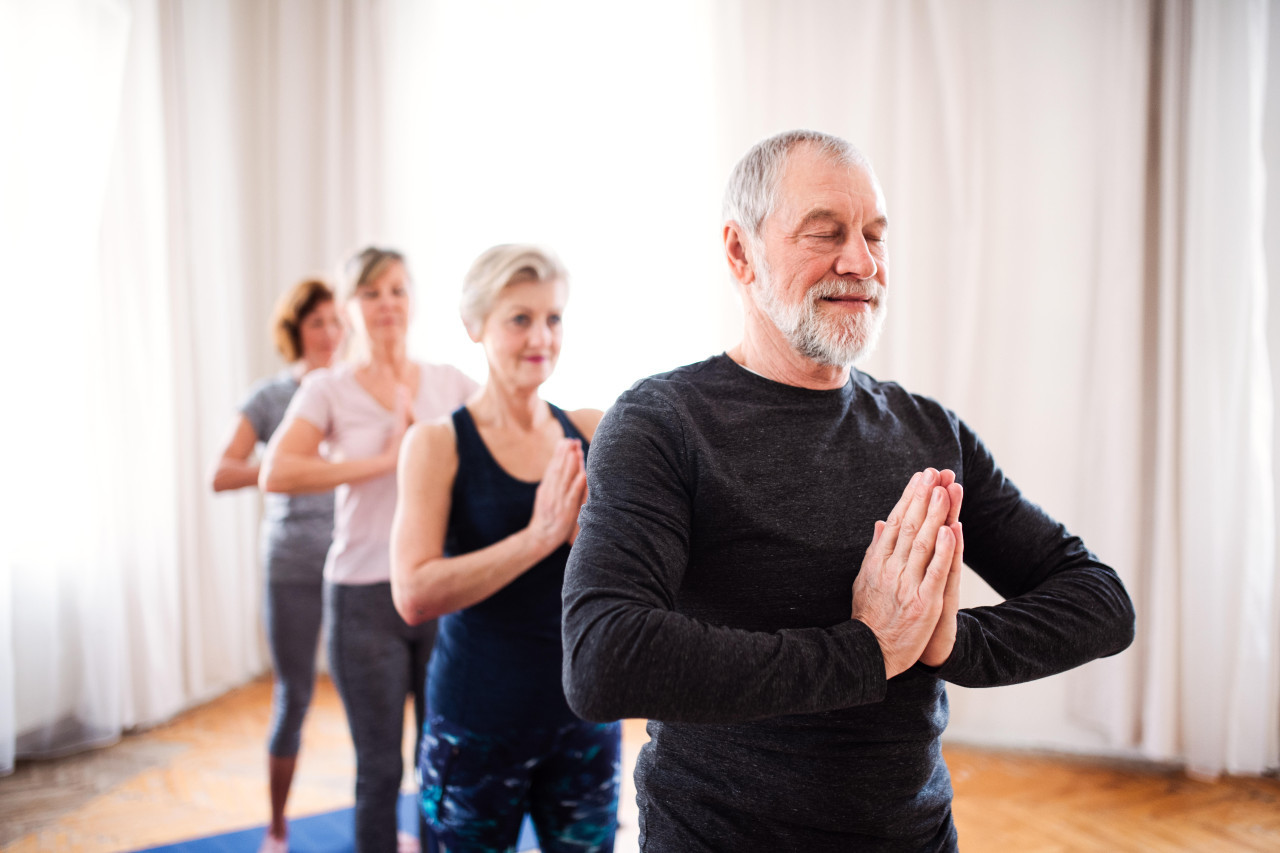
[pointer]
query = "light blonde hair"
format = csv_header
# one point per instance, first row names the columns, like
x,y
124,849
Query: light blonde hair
x,y
506,264
366,265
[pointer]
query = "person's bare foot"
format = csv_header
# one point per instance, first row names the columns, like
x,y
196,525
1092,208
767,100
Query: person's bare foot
x,y
271,844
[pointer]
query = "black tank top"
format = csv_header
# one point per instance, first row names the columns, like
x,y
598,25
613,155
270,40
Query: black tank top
x,y
496,664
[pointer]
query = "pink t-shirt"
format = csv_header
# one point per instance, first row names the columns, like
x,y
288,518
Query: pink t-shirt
x,y
356,426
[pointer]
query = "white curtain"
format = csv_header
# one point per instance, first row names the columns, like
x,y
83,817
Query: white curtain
x,y
1212,663
175,166
1076,195
67,633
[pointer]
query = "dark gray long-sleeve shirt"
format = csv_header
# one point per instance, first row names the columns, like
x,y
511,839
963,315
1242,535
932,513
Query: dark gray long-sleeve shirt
x,y
710,590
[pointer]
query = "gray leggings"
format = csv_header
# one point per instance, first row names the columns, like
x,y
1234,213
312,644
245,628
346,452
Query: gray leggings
x,y
377,660
293,626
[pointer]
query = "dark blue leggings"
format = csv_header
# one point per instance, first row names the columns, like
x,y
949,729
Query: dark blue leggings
x,y
476,788
293,612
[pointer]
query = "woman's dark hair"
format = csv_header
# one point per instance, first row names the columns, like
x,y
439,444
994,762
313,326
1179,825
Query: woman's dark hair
x,y
294,306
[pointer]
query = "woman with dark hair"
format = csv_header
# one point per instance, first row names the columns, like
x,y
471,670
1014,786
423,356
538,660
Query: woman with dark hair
x,y
296,531
343,430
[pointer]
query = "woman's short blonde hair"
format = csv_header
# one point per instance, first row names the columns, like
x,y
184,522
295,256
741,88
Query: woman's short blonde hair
x,y
294,305
509,263
366,265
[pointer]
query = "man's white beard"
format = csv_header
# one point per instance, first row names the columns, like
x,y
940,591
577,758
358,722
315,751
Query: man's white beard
x,y
828,337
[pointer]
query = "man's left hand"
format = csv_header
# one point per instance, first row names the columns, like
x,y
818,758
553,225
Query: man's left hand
x,y
944,635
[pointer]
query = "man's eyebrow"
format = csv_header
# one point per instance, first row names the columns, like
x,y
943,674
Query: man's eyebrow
x,y
815,215
822,213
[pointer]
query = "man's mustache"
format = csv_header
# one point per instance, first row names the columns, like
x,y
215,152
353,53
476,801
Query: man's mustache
x,y
872,291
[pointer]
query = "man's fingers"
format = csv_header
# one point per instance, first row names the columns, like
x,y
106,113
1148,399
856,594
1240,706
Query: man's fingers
x,y
938,572
924,544
947,480
929,502
894,521
957,530
955,491
900,508
875,537
904,521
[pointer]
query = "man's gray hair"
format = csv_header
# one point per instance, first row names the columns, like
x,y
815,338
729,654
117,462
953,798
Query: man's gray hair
x,y
752,193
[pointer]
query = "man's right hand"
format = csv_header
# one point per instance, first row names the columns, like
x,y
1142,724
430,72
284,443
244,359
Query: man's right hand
x,y
899,591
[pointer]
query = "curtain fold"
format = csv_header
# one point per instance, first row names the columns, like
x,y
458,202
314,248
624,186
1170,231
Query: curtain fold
x,y
64,634
1212,684
199,166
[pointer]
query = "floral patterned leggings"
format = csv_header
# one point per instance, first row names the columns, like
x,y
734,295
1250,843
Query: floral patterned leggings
x,y
475,788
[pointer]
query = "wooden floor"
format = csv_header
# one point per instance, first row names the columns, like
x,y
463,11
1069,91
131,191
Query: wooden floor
x,y
203,773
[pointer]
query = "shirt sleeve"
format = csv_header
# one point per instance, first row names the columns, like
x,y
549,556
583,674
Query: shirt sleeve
x,y
628,652
255,409
1062,608
314,401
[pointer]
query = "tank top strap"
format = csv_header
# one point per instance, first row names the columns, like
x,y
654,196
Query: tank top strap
x,y
470,444
570,431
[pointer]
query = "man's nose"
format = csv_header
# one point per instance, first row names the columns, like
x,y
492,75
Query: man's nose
x,y
856,259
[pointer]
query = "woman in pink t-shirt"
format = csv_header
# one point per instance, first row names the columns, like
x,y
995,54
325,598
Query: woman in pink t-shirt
x,y
343,430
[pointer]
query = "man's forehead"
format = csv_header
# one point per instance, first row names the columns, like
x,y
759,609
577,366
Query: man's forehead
x,y
814,184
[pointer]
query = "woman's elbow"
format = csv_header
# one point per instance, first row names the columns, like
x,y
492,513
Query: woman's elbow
x,y
414,607
272,479
412,616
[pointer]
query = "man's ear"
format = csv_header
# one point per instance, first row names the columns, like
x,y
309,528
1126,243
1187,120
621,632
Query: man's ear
x,y
738,253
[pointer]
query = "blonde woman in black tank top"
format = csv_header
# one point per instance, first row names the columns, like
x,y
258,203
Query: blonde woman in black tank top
x,y
486,514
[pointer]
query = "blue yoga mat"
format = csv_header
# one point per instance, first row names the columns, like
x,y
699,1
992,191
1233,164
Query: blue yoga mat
x,y
331,832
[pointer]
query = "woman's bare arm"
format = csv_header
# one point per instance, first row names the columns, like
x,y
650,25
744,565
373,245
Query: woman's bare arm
x,y
586,420
233,470
424,583
293,464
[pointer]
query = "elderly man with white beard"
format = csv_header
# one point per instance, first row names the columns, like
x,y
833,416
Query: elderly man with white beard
x,y
769,561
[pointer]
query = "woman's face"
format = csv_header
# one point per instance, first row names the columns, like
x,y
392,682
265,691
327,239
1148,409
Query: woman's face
x,y
321,332
384,304
523,333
